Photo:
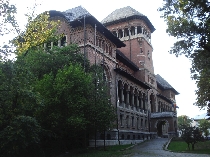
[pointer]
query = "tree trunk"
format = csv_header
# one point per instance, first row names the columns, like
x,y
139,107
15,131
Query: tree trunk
x,y
193,146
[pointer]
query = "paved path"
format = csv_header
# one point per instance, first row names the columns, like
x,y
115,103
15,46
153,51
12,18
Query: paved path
x,y
154,147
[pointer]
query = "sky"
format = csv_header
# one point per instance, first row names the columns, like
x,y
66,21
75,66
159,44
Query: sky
x,y
175,70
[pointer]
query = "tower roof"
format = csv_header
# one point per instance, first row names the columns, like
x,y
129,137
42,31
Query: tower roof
x,y
76,13
126,13
164,84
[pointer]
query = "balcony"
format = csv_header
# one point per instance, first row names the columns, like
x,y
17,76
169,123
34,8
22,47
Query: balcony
x,y
163,114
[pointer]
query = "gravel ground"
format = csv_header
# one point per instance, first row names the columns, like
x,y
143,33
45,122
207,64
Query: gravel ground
x,y
154,147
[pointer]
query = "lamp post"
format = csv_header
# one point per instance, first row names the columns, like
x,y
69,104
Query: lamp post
x,y
84,41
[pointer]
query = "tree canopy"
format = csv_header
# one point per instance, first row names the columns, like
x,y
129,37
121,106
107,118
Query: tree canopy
x,y
184,121
189,22
52,92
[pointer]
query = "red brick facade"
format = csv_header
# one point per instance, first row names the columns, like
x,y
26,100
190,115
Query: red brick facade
x,y
144,107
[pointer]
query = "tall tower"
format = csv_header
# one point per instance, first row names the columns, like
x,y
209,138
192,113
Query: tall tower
x,y
134,29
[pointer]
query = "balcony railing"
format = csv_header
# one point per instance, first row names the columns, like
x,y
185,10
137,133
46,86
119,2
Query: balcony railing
x,y
163,114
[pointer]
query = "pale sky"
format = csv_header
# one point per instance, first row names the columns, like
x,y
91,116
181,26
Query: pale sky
x,y
174,70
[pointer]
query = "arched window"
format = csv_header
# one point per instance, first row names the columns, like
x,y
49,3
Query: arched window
x,y
120,34
139,29
126,31
63,41
132,30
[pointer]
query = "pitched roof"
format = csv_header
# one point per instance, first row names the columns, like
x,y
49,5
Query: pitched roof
x,y
164,84
75,17
124,14
120,56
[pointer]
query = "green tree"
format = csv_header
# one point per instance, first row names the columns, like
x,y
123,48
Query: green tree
x,y
189,22
204,125
191,135
38,31
20,137
184,120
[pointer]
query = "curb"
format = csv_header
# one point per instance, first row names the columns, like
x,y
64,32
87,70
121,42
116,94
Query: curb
x,y
166,146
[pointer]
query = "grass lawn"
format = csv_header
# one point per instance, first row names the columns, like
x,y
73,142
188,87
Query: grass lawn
x,y
110,151
181,146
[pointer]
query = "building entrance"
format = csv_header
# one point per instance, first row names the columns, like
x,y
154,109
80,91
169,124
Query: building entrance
x,y
162,128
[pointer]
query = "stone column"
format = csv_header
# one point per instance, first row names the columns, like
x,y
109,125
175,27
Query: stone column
x,y
142,30
123,31
127,99
59,43
142,103
144,122
117,33
45,46
51,46
136,30
122,97
137,103
132,100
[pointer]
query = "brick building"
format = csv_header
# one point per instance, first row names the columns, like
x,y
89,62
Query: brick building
x,y
144,102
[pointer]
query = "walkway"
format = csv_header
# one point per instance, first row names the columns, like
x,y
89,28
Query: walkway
x,y
154,147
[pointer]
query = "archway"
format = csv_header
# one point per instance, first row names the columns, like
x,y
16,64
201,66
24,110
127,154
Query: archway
x,y
162,128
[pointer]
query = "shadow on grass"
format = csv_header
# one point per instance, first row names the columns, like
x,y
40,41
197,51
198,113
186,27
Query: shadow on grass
x,y
110,151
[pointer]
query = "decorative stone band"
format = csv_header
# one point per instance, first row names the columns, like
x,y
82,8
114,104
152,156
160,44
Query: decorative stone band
x,y
163,114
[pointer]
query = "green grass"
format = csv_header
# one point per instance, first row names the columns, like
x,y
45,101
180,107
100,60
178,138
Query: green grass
x,y
110,151
181,146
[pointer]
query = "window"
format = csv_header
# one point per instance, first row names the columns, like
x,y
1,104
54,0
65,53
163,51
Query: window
x,y
145,123
148,55
120,35
139,30
106,48
121,120
63,41
108,137
132,121
137,123
141,122
114,33
122,136
110,50
141,51
127,121
126,31
102,136
132,30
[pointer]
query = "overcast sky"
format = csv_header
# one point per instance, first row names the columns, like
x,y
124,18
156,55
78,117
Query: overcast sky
x,y
174,70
